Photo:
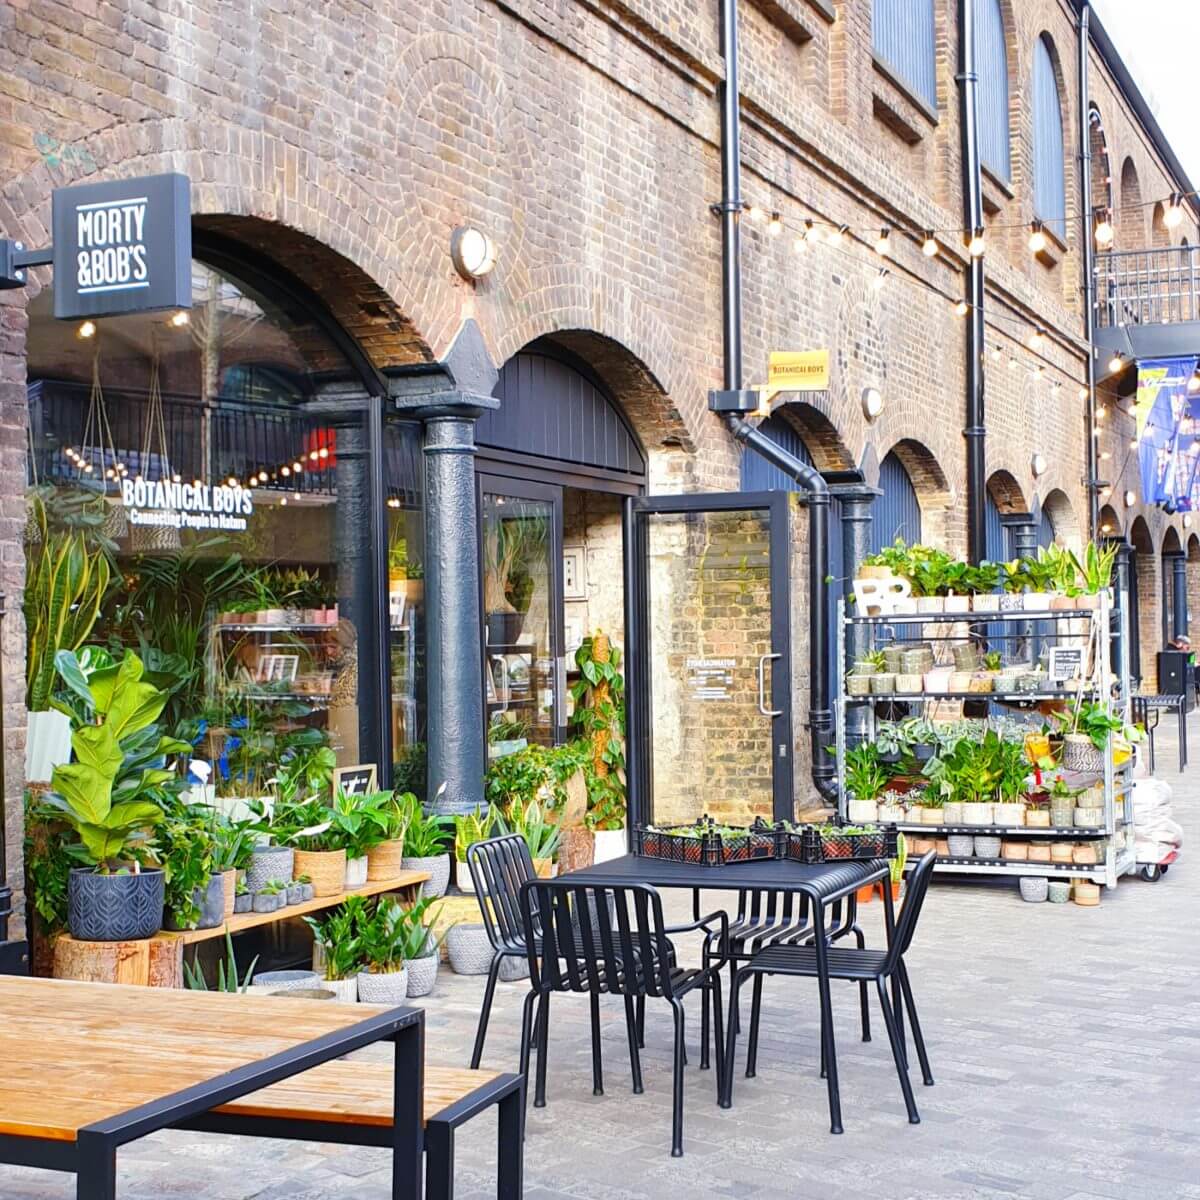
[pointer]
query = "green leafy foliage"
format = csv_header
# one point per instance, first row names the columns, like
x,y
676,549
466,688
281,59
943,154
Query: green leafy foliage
x,y
541,835
338,934
599,721
393,934
865,775
185,849
424,835
470,828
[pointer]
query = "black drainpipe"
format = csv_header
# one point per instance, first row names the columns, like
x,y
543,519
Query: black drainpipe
x,y
735,400
1089,272
975,431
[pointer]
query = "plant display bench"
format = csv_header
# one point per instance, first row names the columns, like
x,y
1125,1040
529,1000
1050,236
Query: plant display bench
x,y
158,961
89,1068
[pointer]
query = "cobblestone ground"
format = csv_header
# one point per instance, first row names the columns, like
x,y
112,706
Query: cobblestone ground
x,y
1065,1042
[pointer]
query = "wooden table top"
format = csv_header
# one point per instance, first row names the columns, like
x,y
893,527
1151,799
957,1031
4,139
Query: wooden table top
x,y
74,1053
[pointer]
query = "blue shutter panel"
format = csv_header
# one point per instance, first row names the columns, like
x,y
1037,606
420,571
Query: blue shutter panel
x,y
896,514
1049,180
902,35
991,65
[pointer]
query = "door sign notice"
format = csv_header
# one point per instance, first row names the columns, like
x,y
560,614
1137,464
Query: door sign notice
x,y
710,678
1066,662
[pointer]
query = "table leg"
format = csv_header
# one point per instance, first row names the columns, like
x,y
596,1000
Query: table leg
x,y
96,1167
1183,755
827,1039
510,1163
408,1111
439,1147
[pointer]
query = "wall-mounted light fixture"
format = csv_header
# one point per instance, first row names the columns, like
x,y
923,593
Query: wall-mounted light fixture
x,y
872,403
1038,464
1130,498
472,252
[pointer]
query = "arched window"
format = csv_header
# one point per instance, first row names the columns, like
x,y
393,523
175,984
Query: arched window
x,y
991,65
1049,178
902,36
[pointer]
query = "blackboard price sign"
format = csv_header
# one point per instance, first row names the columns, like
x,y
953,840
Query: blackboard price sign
x,y
1066,662
358,780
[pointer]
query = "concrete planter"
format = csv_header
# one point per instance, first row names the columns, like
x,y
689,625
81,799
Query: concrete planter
x,y
422,974
387,987
356,872
269,864
114,908
438,867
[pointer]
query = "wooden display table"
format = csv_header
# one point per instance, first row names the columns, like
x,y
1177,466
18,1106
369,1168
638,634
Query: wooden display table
x,y
158,961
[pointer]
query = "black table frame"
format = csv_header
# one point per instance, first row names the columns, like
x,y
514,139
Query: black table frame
x,y
823,884
92,1157
1177,703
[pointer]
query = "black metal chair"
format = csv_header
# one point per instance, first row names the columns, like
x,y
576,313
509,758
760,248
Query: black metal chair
x,y
623,950
857,966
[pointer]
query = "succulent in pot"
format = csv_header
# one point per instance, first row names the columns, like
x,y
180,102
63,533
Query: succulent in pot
x,y
470,828
338,935
890,808
541,835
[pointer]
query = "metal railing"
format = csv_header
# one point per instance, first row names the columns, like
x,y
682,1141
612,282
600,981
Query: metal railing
x,y
1147,287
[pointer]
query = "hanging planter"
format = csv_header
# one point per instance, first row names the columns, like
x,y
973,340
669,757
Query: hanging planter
x,y
1081,754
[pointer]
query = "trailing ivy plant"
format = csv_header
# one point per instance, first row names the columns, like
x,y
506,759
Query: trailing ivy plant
x,y
599,718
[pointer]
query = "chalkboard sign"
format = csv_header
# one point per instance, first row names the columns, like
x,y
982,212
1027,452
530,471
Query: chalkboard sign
x,y
1066,662
355,781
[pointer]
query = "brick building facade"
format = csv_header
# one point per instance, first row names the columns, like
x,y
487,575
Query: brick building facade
x,y
345,143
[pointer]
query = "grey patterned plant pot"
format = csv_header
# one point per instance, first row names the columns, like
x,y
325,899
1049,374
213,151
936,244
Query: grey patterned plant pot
x,y
1058,891
243,903
512,969
269,863
987,847
1034,888
962,845
389,988
422,974
469,950
268,902
295,893
438,866
114,908
285,981
210,902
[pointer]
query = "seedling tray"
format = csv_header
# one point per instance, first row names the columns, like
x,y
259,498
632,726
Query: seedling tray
x,y
706,847
810,845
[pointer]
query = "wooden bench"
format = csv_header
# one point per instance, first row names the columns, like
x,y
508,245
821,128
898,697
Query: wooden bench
x,y
350,1102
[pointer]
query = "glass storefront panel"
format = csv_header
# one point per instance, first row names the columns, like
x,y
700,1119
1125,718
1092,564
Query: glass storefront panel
x,y
219,460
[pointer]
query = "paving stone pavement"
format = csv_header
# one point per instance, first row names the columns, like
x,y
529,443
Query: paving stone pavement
x,y
1065,1043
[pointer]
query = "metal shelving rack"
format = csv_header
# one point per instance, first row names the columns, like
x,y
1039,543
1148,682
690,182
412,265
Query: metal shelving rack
x,y
1103,622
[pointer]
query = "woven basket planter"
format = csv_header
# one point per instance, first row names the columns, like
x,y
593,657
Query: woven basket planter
x,y
469,950
1081,754
327,871
389,987
229,883
356,872
385,861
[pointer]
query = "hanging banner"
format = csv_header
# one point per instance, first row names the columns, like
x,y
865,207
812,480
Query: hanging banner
x,y
1168,422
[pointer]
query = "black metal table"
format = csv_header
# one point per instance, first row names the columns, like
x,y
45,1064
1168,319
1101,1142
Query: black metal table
x,y
823,884
1143,706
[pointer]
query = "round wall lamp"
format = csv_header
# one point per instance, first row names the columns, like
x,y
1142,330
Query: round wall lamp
x,y
872,402
472,252
1038,464
1187,520
1130,498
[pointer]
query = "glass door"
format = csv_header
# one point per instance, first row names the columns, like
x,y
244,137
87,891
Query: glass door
x,y
710,728
521,558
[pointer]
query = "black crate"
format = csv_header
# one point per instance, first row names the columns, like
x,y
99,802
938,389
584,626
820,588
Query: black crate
x,y
759,843
810,845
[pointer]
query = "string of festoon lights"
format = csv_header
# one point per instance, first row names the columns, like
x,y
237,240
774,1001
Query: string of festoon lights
x,y
1033,339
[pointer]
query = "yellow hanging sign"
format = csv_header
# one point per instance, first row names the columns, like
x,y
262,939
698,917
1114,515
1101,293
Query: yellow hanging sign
x,y
795,371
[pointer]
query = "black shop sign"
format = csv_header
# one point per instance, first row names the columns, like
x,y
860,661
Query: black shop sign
x,y
122,247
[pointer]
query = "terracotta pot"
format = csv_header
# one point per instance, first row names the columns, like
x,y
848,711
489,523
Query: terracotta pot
x,y
1015,851
1060,603
383,861
543,868
1037,818
1038,852
326,869
1086,854
866,894
942,846
1087,894
1062,852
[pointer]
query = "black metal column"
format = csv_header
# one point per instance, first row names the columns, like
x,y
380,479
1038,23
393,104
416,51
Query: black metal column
x,y
1024,541
1088,267
1123,583
1179,597
454,673
856,502
975,430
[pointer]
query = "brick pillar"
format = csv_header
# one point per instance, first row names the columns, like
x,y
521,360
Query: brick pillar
x,y
1193,598
1149,631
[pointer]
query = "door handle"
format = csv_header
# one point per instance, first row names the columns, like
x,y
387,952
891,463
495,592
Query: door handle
x,y
503,686
762,686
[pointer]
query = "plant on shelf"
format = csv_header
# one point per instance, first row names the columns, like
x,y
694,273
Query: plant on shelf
x,y
897,864
338,935
599,719
1016,576
1095,571
1092,718
1060,568
536,772
1041,571
982,579
425,838
227,972
993,660
186,851
865,777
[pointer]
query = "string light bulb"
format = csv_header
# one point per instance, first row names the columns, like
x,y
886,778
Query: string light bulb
x,y
883,245
1104,230
1083,393
881,275
1115,364
755,213
775,225
929,246
996,354
1173,213
1037,238
180,319
1193,384
87,329
1130,498
1036,339
961,308
976,246
838,235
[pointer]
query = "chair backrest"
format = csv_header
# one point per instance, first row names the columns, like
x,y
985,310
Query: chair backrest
x,y
597,939
499,867
910,911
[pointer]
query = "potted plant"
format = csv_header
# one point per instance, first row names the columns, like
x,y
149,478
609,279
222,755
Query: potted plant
x,y
425,849
1040,573
319,844
1094,573
308,891
357,823
1062,803
112,796
965,773
337,933
1015,581
194,891
469,828
271,897
1012,773
982,581
386,942
890,809
232,850
1085,735
542,836
896,867
243,900
1037,810
229,978
388,813
932,806
67,573
423,961
865,778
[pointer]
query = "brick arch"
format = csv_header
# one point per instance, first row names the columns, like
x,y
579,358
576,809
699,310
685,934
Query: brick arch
x,y
1101,174
1160,235
636,352
1131,217
1058,507
1110,517
1139,536
929,480
1147,575
821,438
292,199
1193,548
1006,492
1170,541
